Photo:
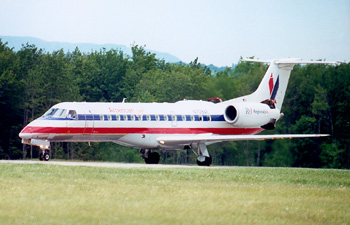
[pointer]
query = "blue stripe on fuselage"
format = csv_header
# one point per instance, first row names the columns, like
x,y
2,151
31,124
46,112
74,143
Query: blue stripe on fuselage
x,y
132,117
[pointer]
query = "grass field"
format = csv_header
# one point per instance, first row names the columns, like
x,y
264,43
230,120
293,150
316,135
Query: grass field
x,y
51,194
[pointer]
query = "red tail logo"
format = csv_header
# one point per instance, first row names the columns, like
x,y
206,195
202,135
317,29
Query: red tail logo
x,y
271,84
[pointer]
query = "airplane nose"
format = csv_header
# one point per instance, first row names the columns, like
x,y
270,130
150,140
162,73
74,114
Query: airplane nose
x,y
25,133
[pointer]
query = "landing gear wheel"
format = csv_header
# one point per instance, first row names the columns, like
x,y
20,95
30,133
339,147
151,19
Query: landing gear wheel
x,y
46,156
153,158
41,156
206,162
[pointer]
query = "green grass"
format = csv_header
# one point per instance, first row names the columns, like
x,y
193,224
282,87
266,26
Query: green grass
x,y
48,194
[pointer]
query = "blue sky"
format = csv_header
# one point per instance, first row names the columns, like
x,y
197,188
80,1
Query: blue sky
x,y
217,32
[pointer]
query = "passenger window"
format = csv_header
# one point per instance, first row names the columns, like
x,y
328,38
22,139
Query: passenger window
x,y
72,114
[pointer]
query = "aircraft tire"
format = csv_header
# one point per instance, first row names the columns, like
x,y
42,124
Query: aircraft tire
x,y
41,157
206,162
46,156
153,158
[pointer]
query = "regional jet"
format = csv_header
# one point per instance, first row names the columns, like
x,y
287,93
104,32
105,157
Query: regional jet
x,y
186,124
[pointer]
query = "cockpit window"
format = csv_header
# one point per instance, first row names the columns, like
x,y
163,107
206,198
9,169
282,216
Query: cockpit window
x,y
50,112
56,112
72,114
60,113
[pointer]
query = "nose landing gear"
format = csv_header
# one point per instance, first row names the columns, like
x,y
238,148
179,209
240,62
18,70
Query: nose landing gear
x,y
44,155
44,146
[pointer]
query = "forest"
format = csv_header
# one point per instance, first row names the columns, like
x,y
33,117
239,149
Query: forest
x,y
32,80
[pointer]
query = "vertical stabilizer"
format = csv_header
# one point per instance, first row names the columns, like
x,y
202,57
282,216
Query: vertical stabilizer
x,y
274,84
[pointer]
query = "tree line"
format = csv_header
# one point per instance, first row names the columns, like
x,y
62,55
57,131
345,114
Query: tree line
x,y
32,80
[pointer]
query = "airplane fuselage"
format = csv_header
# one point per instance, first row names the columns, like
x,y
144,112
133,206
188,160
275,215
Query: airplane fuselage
x,y
139,124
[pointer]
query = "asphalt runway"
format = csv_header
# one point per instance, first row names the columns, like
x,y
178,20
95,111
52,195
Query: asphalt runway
x,y
103,164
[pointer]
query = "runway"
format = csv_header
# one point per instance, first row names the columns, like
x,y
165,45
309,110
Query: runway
x,y
102,164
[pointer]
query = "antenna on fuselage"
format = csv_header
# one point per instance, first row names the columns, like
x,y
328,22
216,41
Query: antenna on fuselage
x,y
123,100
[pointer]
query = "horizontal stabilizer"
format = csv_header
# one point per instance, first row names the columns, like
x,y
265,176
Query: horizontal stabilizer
x,y
290,61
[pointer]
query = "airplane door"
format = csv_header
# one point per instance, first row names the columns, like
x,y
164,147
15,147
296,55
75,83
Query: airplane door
x,y
89,121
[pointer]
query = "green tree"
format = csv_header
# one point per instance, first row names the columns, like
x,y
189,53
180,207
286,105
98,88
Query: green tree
x,y
10,103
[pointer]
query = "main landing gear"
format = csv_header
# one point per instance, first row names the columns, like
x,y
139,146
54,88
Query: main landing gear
x,y
203,156
149,156
206,161
44,155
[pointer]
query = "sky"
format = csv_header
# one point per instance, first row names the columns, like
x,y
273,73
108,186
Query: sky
x,y
218,32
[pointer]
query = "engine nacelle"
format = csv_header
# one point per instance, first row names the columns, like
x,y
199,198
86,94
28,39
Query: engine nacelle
x,y
249,115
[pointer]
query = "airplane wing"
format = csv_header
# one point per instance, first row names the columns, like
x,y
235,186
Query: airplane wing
x,y
210,138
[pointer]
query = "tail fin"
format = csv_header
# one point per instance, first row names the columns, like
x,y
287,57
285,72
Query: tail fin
x,y
274,84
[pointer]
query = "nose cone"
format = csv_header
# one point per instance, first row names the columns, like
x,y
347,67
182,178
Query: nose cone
x,y
37,129
26,132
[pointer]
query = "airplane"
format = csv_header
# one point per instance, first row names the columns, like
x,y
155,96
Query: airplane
x,y
186,124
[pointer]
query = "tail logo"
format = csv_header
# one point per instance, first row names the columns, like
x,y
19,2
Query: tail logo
x,y
274,87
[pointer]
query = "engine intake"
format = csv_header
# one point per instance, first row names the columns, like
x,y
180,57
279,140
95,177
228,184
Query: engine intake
x,y
250,114
231,114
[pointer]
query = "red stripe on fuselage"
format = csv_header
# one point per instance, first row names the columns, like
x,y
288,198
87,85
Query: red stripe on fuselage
x,y
136,130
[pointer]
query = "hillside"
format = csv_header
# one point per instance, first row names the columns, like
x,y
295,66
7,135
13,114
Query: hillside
x,y
17,42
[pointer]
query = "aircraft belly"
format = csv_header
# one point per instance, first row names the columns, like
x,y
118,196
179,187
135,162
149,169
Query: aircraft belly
x,y
84,138
139,140
66,137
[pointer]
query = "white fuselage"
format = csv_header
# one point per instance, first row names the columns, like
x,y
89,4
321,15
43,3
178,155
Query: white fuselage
x,y
139,124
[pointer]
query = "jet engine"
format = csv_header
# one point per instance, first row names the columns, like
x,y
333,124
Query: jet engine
x,y
249,115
